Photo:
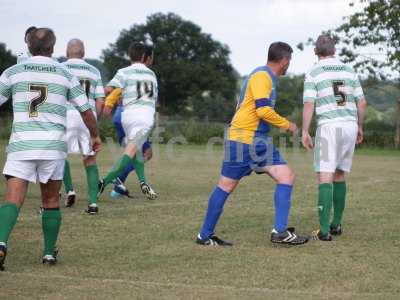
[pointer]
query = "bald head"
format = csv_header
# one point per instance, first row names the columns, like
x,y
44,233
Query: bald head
x,y
75,49
325,46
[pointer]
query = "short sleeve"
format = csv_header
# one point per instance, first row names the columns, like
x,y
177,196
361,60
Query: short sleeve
x,y
118,80
310,89
260,85
358,92
99,91
5,88
77,96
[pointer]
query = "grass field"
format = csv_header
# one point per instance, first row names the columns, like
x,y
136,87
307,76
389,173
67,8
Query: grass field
x,y
141,249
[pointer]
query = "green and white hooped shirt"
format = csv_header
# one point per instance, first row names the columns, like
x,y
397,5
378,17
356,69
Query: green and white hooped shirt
x,y
40,89
139,86
90,79
335,90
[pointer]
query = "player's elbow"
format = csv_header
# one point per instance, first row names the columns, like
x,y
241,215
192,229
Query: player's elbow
x,y
263,112
362,103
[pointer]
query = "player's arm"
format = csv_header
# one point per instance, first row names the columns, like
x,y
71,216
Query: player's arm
x,y
77,97
309,96
261,88
99,96
361,108
113,91
91,123
111,100
99,106
5,88
308,112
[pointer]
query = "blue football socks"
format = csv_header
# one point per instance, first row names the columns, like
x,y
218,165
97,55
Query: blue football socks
x,y
214,211
282,199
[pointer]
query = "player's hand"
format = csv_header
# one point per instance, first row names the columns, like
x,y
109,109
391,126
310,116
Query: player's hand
x,y
96,144
360,135
293,128
306,140
107,111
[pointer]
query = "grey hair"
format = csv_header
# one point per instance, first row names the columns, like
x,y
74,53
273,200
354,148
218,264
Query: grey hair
x,y
325,45
75,48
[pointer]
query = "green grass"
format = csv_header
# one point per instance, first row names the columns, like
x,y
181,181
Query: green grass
x,y
140,249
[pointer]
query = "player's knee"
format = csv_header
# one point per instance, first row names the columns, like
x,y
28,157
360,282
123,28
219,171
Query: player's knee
x,y
287,177
339,175
50,200
89,160
290,177
148,154
228,185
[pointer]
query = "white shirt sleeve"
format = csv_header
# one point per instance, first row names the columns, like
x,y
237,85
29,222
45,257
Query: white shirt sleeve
x,y
310,89
358,92
77,96
118,80
5,88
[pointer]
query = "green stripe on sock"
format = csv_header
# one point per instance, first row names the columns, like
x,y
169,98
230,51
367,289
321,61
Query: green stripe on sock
x,y
51,223
325,198
339,201
92,174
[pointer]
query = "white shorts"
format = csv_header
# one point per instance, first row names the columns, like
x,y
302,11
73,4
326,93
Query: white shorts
x,y
334,146
78,136
35,170
137,124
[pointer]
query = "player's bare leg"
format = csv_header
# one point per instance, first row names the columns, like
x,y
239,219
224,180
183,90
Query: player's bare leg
x,y
51,219
15,197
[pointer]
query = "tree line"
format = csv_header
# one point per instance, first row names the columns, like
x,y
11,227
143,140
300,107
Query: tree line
x,y
197,79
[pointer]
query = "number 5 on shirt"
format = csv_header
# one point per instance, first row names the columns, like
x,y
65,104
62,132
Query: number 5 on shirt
x,y
337,85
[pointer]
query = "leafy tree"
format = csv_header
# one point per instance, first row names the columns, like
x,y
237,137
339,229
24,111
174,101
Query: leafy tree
x,y
377,26
290,94
7,59
370,40
188,62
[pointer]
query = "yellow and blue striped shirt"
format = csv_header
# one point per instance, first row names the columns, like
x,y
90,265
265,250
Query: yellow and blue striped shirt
x,y
256,112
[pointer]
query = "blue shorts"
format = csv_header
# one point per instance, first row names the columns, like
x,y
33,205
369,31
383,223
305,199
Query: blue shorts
x,y
242,159
120,130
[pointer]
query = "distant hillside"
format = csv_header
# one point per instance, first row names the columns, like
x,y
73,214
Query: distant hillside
x,y
382,95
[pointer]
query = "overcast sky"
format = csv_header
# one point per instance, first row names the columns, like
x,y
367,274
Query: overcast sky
x,y
247,27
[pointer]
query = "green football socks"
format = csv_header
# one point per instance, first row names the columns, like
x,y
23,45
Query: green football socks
x,y
92,175
51,223
339,199
325,198
8,217
118,169
67,178
139,169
